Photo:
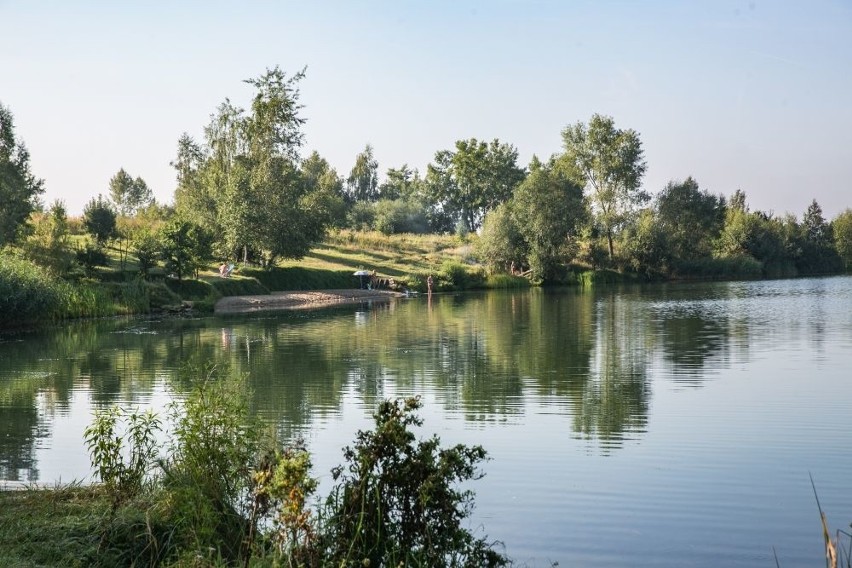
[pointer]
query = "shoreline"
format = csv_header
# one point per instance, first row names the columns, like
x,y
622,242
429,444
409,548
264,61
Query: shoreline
x,y
300,299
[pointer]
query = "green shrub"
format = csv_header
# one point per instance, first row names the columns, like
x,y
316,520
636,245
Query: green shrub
x,y
208,475
591,278
396,502
506,281
735,266
454,275
92,256
123,461
227,494
27,292
190,289
159,296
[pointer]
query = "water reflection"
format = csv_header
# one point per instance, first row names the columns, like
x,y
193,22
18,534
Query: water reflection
x,y
490,358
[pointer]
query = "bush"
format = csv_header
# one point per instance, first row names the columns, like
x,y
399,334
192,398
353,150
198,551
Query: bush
x,y
122,462
91,257
396,502
207,477
227,492
400,216
506,281
454,275
735,266
27,292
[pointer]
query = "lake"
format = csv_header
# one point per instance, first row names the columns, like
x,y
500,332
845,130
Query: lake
x,y
660,425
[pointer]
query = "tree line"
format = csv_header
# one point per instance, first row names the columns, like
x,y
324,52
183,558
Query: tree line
x,y
244,192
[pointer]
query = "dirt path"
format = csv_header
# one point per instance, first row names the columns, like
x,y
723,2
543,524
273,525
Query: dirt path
x,y
299,300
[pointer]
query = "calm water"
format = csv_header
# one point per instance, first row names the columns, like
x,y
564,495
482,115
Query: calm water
x,y
670,425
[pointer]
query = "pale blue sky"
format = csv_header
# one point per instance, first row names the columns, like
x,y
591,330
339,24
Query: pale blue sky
x,y
754,95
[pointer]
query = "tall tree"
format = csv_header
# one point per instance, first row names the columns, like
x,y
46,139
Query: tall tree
x,y
399,183
318,177
842,228
611,165
548,209
690,218
363,181
99,219
819,255
128,194
473,179
244,185
19,188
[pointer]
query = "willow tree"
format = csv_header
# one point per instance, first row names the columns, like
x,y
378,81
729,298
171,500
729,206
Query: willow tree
x,y
610,164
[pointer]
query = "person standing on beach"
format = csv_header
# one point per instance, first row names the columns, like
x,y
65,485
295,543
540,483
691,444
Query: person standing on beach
x,y
429,284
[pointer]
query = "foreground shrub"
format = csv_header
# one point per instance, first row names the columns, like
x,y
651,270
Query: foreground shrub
x,y
208,475
228,495
122,461
396,502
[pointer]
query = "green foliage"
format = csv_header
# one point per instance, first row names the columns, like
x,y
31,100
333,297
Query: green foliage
x,y
690,219
363,181
122,460
400,216
184,247
402,183
361,216
281,487
99,220
506,281
47,245
501,244
842,229
473,179
19,188
208,474
147,247
396,501
159,295
91,256
549,211
27,292
609,163
244,186
644,246
227,495
453,275
740,266
129,195
818,253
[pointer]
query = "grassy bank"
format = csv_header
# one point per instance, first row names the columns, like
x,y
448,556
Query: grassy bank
x,y
29,294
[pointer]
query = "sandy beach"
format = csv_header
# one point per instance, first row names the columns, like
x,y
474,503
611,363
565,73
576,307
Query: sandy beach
x,y
300,299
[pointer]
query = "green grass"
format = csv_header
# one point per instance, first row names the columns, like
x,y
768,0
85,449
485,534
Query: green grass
x,y
56,527
34,295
